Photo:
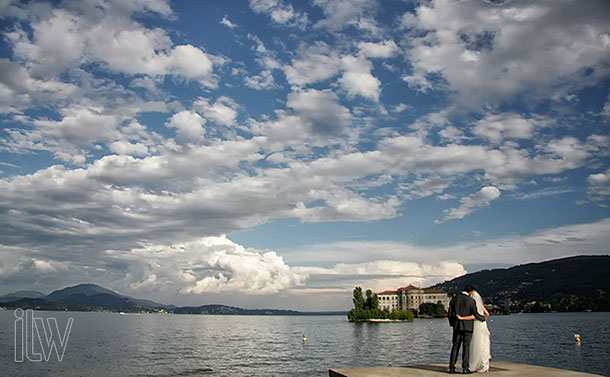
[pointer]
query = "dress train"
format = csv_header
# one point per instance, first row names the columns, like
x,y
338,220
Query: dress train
x,y
480,345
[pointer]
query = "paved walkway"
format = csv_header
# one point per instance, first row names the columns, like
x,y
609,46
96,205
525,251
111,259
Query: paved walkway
x,y
498,369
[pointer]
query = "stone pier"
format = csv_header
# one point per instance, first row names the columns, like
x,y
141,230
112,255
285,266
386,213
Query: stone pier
x,y
498,369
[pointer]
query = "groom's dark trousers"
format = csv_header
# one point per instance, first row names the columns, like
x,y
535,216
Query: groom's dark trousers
x,y
460,338
463,305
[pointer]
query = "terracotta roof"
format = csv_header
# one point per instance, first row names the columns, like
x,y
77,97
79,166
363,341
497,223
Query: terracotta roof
x,y
433,291
408,288
387,293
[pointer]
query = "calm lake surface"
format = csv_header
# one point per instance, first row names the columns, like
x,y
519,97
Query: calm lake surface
x,y
110,344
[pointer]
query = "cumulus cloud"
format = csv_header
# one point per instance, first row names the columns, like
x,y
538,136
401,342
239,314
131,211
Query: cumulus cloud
x,y
497,127
321,110
385,49
346,206
188,124
599,185
357,78
264,80
471,203
606,109
67,38
129,148
488,52
204,266
318,63
279,12
345,13
70,138
222,112
237,269
18,89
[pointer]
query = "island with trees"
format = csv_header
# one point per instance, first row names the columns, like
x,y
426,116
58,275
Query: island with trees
x,y
368,309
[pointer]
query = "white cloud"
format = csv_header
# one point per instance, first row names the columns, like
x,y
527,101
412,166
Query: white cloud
x,y
606,110
357,78
70,138
80,126
400,108
471,203
599,185
237,269
264,80
225,21
385,49
320,110
223,112
425,186
347,206
279,12
497,127
341,14
44,266
126,147
489,52
189,125
65,38
317,64
18,89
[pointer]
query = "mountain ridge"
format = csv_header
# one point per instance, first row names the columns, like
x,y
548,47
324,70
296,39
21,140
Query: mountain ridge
x,y
13,296
566,284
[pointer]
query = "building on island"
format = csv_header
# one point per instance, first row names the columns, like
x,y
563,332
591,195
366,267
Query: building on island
x,y
388,300
410,298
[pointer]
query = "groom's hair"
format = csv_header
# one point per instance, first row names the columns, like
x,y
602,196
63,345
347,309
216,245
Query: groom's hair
x,y
468,288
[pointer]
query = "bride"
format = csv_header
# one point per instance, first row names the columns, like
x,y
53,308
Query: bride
x,y
480,345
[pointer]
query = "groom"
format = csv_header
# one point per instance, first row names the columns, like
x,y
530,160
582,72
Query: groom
x,y
463,305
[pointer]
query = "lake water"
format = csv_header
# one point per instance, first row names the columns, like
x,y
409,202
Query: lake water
x,y
109,344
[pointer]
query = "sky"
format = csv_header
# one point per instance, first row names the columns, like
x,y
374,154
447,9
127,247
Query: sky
x,y
276,154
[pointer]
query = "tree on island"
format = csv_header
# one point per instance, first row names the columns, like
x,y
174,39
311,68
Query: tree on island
x,y
372,301
369,308
358,299
432,310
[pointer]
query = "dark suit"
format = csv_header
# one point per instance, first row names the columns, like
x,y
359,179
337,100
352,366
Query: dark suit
x,y
463,305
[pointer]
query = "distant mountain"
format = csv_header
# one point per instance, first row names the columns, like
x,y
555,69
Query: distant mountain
x,y
150,304
84,297
14,296
78,302
567,284
93,289
91,297
97,302
224,309
81,289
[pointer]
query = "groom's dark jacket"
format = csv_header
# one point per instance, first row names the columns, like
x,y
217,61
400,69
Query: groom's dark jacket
x,y
463,305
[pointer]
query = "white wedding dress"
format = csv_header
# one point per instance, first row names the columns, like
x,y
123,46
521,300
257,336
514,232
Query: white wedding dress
x,y
480,346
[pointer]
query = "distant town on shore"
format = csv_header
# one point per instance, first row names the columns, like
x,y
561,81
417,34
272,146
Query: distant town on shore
x,y
580,283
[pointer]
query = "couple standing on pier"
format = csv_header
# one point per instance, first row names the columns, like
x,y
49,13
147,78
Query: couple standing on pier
x,y
467,317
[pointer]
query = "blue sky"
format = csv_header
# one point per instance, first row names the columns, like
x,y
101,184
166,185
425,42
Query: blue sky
x,y
275,153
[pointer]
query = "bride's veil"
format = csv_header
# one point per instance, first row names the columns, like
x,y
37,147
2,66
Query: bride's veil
x,y
477,297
